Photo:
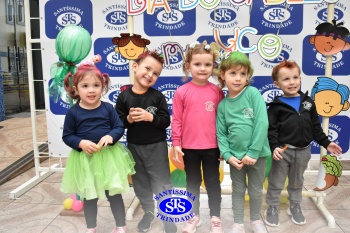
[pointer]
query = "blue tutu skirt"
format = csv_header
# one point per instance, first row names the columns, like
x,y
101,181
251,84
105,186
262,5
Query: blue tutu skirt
x,y
90,175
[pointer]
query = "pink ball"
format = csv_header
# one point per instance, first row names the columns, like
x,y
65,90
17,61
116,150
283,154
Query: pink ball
x,y
77,205
74,197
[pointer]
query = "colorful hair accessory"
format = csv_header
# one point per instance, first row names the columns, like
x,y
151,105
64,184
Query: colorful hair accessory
x,y
227,54
91,61
207,47
193,44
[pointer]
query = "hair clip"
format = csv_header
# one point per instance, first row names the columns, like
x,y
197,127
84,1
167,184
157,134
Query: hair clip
x,y
207,47
193,44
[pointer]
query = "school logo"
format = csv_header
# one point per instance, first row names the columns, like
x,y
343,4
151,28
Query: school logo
x,y
336,133
112,63
209,106
248,113
321,12
168,136
115,18
175,205
286,19
180,23
114,91
168,90
223,16
266,87
307,105
61,13
151,109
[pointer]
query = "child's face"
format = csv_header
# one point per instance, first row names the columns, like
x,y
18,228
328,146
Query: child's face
x,y
201,67
288,80
146,72
89,90
235,79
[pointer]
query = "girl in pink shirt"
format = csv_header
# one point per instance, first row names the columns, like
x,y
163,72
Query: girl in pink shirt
x,y
194,132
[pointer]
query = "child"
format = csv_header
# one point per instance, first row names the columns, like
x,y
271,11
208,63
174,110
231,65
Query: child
x,y
242,135
193,132
144,112
97,166
293,124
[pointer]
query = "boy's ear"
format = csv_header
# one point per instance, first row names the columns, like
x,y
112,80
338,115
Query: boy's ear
x,y
346,105
276,84
312,40
134,66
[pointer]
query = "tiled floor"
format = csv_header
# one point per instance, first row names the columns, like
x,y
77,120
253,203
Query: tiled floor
x,y
39,209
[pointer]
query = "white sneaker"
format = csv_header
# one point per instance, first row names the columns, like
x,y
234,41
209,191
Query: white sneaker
x,y
258,226
237,228
192,224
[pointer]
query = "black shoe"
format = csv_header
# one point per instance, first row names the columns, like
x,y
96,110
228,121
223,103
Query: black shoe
x,y
271,216
170,227
146,221
297,215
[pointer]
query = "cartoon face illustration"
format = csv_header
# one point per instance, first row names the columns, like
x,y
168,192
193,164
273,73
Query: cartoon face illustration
x,y
330,38
330,97
130,46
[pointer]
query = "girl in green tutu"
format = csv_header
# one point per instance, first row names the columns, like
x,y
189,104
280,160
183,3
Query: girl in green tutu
x,y
97,166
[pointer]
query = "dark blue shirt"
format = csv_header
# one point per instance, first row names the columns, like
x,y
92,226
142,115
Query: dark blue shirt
x,y
91,124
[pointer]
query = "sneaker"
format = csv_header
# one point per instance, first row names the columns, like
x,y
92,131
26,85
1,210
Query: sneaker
x,y
215,225
146,221
297,214
170,227
271,216
192,224
237,228
119,230
258,226
90,230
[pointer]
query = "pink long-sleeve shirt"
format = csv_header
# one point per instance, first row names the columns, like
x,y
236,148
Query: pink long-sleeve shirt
x,y
194,116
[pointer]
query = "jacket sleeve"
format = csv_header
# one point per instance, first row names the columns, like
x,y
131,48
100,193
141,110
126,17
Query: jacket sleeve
x,y
222,132
260,125
273,130
122,110
117,127
317,131
69,131
161,119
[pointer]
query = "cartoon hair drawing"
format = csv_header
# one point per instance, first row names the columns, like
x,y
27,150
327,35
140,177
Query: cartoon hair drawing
x,y
330,97
330,38
130,46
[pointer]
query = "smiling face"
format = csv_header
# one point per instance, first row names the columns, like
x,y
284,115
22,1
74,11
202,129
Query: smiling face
x,y
146,73
201,68
131,51
328,103
327,45
236,78
89,90
288,80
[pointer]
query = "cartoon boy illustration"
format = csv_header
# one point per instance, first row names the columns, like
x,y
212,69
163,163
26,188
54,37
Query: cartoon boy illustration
x,y
130,46
330,38
330,97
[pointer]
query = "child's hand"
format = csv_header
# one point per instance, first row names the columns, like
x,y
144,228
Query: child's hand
x,y
248,161
235,162
276,155
178,152
139,114
334,149
88,147
105,140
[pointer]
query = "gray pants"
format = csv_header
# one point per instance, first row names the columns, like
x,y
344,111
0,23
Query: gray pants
x,y
152,172
253,178
293,165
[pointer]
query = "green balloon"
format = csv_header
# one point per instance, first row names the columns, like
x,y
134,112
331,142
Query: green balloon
x,y
178,178
73,44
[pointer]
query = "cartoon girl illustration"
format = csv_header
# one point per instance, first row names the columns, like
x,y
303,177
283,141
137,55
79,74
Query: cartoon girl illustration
x,y
130,46
330,97
330,38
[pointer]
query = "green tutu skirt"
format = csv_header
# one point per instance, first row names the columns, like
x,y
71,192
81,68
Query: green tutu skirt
x,y
90,175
